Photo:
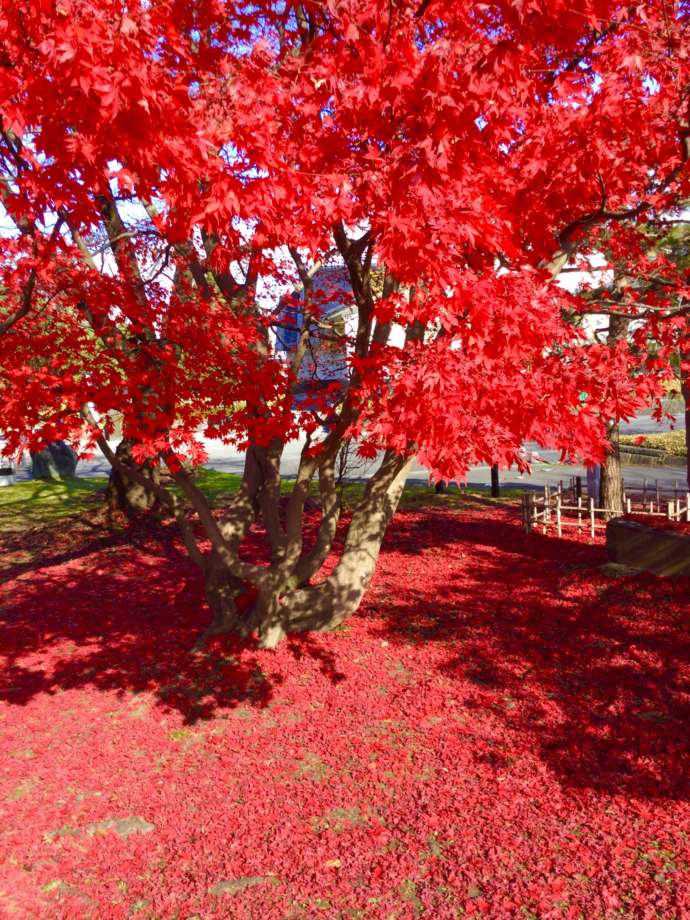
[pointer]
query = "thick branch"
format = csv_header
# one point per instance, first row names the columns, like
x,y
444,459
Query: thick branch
x,y
311,562
237,567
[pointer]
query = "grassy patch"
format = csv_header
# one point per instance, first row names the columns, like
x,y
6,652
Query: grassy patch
x,y
38,503
418,496
28,504
673,442
216,485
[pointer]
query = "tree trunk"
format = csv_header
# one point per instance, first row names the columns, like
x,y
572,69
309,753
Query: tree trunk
x,y
326,605
222,592
126,495
611,488
685,390
284,601
57,461
272,599
495,482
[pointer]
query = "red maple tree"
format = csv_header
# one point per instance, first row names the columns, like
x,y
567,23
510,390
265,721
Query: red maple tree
x,y
171,169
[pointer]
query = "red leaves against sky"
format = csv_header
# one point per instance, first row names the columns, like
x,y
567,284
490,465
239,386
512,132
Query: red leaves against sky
x,y
464,135
500,730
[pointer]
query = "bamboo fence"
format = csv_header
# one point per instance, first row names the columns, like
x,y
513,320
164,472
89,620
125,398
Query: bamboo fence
x,y
560,507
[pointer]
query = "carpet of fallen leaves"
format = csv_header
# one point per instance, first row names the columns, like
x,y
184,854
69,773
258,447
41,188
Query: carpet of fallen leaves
x,y
502,730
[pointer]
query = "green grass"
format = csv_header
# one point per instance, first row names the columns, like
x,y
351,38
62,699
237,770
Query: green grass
x,y
417,496
216,485
38,503
28,504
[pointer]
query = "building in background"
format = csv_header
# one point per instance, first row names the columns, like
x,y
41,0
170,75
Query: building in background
x,y
325,361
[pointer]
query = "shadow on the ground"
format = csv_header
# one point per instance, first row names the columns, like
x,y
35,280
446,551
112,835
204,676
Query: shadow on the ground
x,y
590,672
98,615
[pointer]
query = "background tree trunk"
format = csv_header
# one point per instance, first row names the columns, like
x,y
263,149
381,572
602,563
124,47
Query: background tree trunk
x,y
495,482
685,390
611,488
123,494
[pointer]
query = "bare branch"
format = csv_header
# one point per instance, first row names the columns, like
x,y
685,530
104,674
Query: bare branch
x,y
29,287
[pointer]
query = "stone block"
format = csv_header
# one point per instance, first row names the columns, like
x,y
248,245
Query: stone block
x,y
651,549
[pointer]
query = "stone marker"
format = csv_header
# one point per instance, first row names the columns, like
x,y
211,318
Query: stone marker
x,y
56,461
663,552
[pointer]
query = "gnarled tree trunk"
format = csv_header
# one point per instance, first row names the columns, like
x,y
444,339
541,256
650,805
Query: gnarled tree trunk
x,y
327,604
284,600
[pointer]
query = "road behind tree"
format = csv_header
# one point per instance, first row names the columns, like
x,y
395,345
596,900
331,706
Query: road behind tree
x,y
229,460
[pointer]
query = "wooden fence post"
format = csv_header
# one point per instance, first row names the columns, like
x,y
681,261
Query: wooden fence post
x,y
559,529
531,512
591,516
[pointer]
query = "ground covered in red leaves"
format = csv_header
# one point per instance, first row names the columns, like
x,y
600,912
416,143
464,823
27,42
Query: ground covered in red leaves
x,y
502,730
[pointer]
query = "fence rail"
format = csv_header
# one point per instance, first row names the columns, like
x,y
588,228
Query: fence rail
x,y
568,507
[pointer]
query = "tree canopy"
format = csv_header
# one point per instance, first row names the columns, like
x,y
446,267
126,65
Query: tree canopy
x,y
169,170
